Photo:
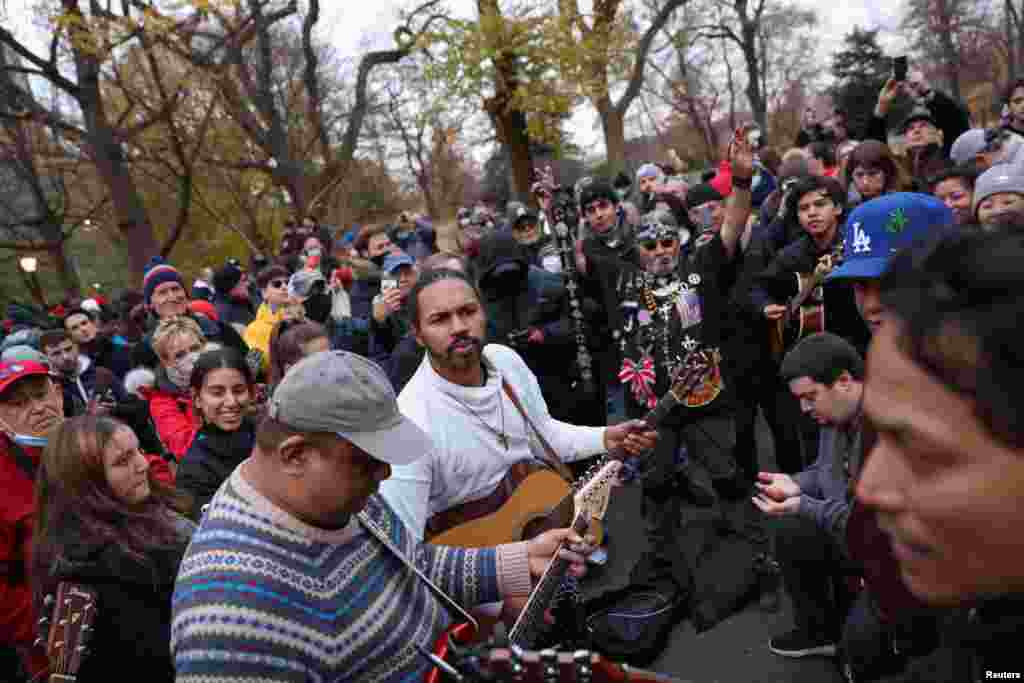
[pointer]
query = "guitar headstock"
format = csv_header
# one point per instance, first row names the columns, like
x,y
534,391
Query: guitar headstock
x,y
74,612
692,372
592,498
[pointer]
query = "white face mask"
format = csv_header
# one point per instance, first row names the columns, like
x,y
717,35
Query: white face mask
x,y
180,373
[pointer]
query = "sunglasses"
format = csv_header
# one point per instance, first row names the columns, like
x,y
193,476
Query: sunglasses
x,y
651,245
277,284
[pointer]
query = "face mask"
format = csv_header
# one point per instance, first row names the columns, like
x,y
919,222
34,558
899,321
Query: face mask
x,y
27,440
180,373
621,194
379,260
313,251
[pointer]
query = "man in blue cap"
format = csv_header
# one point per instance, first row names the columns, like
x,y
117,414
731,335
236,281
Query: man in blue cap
x,y
878,229
873,644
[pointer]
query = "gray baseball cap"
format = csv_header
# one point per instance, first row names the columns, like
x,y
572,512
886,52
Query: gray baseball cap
x,y
344,393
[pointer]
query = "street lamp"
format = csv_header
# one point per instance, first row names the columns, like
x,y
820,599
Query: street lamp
x,y
29,264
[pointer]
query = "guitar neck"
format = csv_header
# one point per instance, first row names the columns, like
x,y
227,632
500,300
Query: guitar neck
x,y
658,414
530,625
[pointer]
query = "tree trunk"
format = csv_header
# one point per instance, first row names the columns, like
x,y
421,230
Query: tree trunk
x,y
950,53
614,125
66,271
754,92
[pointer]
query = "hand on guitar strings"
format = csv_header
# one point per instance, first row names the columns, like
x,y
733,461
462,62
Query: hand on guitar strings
x,y
774,311
633,437
540,551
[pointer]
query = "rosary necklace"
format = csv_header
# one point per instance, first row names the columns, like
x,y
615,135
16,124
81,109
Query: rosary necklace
x,y
502,435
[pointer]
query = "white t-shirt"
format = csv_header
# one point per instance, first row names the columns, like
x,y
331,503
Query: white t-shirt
x,y
468,460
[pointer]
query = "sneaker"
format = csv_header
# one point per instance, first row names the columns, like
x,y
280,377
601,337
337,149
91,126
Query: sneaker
x,y
800,644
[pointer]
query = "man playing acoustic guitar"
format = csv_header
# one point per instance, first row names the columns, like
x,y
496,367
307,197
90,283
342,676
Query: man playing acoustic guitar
x,y
484,411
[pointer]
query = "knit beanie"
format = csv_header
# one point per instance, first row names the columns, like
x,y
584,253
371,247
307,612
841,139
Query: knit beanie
x,y
157,273
649,171
968,146
226,278
599,189
702,194
998,179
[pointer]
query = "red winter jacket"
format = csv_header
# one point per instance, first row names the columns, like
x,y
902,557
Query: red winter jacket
x,y
173,415
17,516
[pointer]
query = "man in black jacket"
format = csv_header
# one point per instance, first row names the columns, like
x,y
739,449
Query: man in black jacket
x,y
944,387
100,349
232,297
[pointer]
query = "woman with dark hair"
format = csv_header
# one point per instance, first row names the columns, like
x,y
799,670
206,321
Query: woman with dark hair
x,y
873,171
223,393
290,342
103,520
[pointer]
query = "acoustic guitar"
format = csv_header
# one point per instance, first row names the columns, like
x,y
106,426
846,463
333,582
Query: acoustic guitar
x,y
499,662
66,631
543,500
805,312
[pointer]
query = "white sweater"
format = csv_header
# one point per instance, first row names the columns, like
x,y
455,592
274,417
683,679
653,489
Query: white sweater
x,y
468,461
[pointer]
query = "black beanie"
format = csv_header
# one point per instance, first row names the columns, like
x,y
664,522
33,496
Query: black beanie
x,y
225,279
599,189
702,194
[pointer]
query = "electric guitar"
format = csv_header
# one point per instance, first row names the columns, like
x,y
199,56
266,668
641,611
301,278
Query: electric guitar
x,y
544,500
502,663
805,312
67,629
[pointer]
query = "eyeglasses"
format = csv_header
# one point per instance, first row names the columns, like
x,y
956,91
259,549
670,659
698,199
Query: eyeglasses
x,y
666,243
277,284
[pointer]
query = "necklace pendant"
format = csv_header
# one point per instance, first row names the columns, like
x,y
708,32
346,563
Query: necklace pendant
x,y
503,438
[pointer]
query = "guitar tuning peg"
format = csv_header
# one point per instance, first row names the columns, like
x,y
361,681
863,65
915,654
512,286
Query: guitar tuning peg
x,y
43,621
48,600
39,642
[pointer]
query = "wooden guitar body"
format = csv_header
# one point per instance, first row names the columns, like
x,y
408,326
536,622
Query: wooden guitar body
x,y
542,501
805,313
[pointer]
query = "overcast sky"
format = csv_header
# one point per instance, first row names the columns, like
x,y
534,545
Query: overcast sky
x,y
352,25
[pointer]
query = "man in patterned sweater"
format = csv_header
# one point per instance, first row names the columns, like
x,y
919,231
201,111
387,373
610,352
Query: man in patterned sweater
x,y
287,578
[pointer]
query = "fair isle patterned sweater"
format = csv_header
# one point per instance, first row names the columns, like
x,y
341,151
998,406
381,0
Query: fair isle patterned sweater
x,y
262,597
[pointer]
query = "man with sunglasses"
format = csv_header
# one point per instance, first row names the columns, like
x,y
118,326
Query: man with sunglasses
x,y
273,283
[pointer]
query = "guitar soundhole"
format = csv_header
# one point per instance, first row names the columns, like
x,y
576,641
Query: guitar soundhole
x,y
538,525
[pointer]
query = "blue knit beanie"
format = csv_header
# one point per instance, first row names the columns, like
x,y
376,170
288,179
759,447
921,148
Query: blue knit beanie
x,y
157,273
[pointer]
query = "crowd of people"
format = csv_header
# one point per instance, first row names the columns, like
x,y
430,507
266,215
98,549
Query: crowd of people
x,y
249,471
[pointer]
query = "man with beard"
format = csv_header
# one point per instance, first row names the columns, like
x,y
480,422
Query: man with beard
x,y
484,411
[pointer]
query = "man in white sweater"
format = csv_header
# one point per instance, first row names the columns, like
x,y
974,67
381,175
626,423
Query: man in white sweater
x,y
460,396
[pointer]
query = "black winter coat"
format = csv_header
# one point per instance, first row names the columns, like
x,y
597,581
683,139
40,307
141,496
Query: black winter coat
x,y
211,459
132,627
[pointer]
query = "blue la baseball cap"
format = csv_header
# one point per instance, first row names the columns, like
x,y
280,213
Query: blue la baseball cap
x,y
395,261
877,229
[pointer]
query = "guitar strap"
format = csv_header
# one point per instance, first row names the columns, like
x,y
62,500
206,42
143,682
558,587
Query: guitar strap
x,y
550,458
453,607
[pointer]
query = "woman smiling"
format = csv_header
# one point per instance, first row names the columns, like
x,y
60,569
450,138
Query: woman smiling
x,y
223,395
103,520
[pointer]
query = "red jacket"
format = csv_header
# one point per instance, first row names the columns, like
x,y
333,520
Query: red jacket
x,y
17,516
173,415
